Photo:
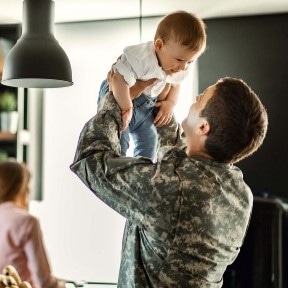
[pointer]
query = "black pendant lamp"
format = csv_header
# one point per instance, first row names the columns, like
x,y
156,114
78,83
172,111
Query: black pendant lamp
x,y
37,60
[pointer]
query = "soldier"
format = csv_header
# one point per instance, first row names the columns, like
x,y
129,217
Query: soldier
x,y
187,214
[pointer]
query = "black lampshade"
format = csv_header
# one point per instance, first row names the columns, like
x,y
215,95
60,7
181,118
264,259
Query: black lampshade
x,y
37,60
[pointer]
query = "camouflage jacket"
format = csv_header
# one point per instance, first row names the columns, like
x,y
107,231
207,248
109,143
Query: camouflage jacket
x,y
186,216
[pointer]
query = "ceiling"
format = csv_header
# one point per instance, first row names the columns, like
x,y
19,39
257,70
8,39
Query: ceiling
x,y
87,10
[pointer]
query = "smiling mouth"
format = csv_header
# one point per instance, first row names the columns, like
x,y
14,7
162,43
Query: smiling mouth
x,y
170,72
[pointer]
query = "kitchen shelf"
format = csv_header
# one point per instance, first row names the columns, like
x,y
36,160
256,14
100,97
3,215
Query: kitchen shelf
x,y
7,136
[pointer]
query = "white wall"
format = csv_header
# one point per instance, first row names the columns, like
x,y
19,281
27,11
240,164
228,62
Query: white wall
x,y
82,235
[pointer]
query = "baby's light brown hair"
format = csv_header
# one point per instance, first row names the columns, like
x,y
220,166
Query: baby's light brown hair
x,y
184,28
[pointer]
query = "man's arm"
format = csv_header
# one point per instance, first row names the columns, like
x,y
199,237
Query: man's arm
x,y
121,182
171,134
116,180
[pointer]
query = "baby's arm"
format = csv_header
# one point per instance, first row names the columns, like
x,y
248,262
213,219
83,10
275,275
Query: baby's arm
x,y
167,100
122,96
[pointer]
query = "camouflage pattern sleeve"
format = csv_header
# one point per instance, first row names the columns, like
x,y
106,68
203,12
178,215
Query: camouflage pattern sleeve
x,y
171,134
120,182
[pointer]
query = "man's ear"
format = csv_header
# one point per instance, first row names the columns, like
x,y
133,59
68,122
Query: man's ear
x,y
204,127
158,43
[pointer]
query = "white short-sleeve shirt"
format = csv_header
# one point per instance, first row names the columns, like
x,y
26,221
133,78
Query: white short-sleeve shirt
x,y
140,62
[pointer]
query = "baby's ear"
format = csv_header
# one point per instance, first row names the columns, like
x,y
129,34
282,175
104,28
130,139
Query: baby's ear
x,y
158,43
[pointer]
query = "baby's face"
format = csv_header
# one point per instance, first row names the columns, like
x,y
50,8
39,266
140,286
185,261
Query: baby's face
x,y
173,57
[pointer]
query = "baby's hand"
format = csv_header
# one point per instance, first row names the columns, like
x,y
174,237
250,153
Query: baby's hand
x,y
126,118
164,114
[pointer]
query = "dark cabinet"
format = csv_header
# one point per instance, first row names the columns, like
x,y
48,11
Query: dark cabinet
x,y
254,48
262,262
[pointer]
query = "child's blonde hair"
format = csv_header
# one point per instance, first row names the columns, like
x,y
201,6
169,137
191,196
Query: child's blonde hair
x,y
184,28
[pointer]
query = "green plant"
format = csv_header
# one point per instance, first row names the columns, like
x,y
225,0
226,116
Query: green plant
x,y
8,102
3,155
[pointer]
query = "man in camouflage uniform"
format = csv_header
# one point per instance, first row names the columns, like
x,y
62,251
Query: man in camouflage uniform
x,y
187,214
